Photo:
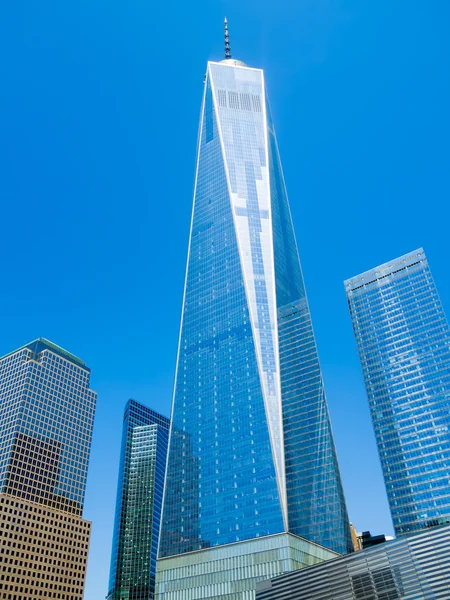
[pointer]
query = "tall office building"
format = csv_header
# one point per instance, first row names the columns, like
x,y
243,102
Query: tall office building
x,y
251,450
403,340
46,420
138,505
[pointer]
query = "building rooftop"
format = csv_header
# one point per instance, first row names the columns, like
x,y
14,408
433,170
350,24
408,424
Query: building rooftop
x,y
147,414
393,266
41,343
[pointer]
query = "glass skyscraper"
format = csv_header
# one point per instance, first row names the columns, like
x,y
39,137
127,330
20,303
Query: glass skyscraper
x,y
251,451
46,420
403,340
138,505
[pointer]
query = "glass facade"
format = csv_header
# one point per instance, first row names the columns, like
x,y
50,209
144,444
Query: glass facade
x,y
316,505
138,505
232,571
413,567
251,451
403,340
46,421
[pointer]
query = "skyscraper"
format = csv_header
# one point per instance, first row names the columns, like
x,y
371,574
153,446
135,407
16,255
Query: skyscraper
x,y
403,340
138,505
251,452
46,420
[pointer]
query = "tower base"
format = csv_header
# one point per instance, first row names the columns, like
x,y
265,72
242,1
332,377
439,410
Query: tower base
x,y
41,546
231,572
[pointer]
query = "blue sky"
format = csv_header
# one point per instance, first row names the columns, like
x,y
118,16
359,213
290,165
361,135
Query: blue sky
x,y
99,109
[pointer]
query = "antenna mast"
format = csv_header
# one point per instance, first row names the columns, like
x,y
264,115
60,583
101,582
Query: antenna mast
x,y
227,40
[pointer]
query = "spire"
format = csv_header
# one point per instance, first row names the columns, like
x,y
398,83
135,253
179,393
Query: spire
x,y
227,41
228,60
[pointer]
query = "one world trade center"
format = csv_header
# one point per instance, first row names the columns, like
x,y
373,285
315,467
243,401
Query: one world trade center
x,y
252,486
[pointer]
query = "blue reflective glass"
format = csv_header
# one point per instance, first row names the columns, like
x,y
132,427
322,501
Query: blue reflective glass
x,y
316,503
46,421
138,505
403,340
247,372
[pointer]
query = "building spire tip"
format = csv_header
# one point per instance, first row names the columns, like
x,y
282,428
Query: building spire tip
x,y
227,40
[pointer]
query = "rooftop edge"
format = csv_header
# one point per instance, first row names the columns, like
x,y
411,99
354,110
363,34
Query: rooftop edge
x,y
40,343
384,269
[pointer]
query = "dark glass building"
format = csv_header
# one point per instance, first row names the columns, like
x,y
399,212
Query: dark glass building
x,y
250,420
46,420
138,505
368,540
403,340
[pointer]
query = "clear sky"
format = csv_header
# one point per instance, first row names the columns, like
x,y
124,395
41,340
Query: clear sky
x,y
99,107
